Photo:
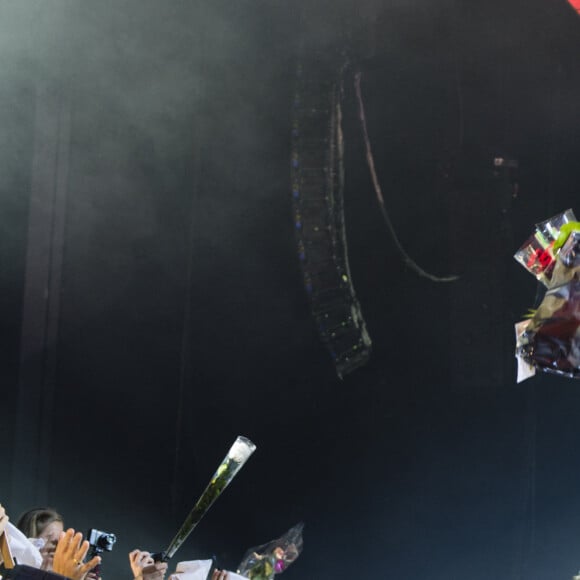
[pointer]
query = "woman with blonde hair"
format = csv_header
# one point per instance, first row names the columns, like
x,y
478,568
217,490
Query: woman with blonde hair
x,y
43,526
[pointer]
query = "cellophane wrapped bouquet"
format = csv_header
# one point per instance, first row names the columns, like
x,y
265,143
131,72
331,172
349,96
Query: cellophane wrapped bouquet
x,y
264,562
549,340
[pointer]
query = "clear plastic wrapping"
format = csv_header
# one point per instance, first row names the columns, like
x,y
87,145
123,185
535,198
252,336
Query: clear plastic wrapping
x,y
550,340
264,562
538,254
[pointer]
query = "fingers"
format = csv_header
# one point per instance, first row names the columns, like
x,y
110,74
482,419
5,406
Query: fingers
x,y
140,558
161,567
86,568
62,547
69,555
154,572
140,562
146,560
219,575
77,549
82,550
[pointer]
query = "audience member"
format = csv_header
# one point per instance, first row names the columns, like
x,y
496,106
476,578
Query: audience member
x,y
64,552
43,526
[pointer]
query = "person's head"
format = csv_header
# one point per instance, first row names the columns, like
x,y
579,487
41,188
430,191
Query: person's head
x,y
44,523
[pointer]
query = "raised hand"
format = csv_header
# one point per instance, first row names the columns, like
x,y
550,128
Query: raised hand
x,y
69,555
145,568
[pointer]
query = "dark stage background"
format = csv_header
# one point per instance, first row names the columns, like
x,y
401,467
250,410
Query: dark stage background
x,y
152,303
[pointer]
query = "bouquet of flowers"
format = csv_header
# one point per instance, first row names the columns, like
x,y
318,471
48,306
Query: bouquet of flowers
x,y
264,562
549,340
538,254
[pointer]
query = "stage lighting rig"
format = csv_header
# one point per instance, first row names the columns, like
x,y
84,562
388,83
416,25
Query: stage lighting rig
x,y
317,196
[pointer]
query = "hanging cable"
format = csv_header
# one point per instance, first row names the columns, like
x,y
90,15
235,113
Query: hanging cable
x,y
370,160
